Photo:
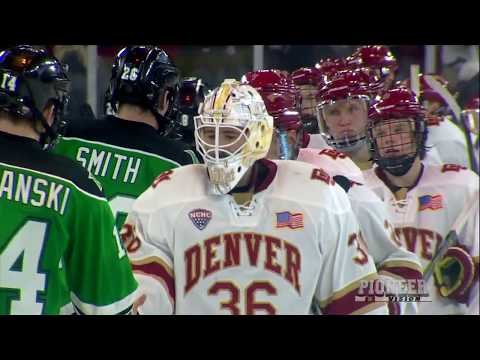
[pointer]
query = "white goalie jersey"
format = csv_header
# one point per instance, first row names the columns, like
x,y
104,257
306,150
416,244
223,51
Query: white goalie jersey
x,y
424,218
295,245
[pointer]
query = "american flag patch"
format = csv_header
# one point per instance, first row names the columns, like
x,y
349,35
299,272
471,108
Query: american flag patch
x,y
292,221
430,202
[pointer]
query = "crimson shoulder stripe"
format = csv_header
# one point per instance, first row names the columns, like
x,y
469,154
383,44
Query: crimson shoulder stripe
x,y
158,270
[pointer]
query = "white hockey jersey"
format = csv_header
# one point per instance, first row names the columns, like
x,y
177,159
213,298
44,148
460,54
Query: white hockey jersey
x,y
316,141
372,215
449,141
423,219
432,157
296,245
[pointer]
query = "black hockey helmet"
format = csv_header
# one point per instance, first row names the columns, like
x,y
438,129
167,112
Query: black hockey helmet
x,y
31,79
190,95
140,74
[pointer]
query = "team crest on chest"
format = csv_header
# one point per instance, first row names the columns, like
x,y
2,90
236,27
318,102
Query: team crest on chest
x,y
200,218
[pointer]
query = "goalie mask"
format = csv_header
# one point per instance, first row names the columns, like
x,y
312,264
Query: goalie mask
x,y
232,131
397,131
30,80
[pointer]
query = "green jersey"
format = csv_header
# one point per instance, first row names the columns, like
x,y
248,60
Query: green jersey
x,y
58,240
125,157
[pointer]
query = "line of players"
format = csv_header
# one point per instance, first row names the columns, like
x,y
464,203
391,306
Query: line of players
x,y
314,266
390,131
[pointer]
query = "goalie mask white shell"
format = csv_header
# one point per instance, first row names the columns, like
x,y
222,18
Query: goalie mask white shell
x,y
239,108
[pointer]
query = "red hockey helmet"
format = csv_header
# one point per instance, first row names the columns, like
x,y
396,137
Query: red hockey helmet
x,y
288,120
348,86
353,62
397,115
307,76
308,80
397,103
427,93
376,57
349,83
276,88
329,67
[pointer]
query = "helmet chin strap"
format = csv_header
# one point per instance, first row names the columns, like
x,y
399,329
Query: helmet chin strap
x,y
397,166
48,136
352,148
348,146
162,122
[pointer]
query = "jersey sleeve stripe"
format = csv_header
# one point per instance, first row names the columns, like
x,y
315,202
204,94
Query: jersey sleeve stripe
x,y
401,269
158,271
348,303
111,309
368,308
345,290
154,259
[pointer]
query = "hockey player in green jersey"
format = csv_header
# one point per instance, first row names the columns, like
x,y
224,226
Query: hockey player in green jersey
x,y
127,152
58,240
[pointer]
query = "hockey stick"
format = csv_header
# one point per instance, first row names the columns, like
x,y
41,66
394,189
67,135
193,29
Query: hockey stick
x,y
452,237
470,145
445,94
453,105
415,79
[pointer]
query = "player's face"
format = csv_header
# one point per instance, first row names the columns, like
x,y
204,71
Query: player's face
x,y
394,138
389,80
230,139
346,118
308,93
282,145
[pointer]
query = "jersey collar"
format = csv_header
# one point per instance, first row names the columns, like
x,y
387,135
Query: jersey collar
x,y
394,188
17,139
263,174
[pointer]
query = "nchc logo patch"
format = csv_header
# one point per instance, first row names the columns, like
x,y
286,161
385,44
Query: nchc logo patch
x,y
200,218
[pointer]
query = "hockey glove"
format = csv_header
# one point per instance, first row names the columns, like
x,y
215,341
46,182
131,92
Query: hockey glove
x,y
454,274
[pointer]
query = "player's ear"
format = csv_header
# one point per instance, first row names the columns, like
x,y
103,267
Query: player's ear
x,y
49,112
163,102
